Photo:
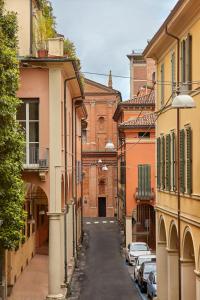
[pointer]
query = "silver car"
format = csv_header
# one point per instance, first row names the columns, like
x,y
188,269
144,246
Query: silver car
x,y
139,261
134,250
152,285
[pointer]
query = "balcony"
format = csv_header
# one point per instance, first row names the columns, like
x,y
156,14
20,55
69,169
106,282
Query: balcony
x,y
145,194
36,158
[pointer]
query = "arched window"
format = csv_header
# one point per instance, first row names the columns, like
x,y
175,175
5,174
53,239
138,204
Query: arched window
x,y
102,186
101,122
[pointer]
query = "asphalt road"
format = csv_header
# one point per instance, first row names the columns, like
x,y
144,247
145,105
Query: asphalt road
x,y
106,275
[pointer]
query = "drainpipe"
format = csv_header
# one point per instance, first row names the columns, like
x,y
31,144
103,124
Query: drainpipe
x,y
178,160
81,186
117,174
76,182
125,176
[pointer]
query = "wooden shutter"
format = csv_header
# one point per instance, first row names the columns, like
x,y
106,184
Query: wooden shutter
x,y
189,160
163,162
182,160
173,161
148,181
162,87
183,61
158,162
173,74
168,162
189,61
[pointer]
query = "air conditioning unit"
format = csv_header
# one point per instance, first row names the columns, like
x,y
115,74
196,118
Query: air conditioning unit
x,y
43,163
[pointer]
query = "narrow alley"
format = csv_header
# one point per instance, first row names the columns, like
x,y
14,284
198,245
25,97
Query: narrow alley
x,y
106,275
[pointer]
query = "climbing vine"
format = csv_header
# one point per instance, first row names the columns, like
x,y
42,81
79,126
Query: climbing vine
x,y
11,138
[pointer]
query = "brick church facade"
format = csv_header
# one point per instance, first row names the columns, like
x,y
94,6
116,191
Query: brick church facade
x,y
99,163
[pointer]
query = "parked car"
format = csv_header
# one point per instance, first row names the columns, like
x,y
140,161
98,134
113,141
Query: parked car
x,y
134,250
144,271
139,261
152,285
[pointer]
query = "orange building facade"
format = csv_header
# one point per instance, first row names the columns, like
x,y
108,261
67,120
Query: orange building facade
x,y
100,186
136,167
142,72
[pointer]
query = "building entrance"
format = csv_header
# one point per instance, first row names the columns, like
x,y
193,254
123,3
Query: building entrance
x,y
102,206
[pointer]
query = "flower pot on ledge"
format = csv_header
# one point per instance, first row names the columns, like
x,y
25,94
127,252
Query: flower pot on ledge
x,y
42,53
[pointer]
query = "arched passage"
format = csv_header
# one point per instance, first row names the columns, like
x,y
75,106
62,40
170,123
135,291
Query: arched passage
x,y
35,239
162,260
173,258
145,225
188,280
37,203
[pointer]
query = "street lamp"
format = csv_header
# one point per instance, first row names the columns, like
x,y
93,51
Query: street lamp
x,y
183,101
180,102
104,168
109,146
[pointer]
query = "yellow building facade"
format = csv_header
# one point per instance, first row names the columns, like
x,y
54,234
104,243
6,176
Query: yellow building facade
x,y
175,48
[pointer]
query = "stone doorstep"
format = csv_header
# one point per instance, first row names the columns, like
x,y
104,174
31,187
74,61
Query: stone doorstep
x,y
55,297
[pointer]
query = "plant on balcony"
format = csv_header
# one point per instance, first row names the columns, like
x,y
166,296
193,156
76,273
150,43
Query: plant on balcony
x,y
45,27
11,139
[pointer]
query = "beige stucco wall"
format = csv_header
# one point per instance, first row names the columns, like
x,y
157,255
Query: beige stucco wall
x,y
22,8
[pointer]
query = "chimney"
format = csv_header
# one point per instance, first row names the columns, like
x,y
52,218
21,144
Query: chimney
x,y
110,80
56,46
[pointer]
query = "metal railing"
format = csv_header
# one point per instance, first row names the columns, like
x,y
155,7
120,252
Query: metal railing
x,y
145,194
36,157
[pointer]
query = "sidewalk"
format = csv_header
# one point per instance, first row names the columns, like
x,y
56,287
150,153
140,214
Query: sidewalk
x,y
33,282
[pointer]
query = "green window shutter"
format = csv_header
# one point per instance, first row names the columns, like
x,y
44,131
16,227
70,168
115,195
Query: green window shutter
x,y
182,160
148,183
189,61
183,61
189,160
158,162
162,87
174,161
173,74
163,162
168,162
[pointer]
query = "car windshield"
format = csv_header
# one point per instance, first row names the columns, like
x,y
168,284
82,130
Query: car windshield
x,y
149,268
139,247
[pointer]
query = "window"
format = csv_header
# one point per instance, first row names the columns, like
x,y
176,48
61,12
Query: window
x,y
173,139
182,161
84,136
189,160
78,171
173,74
144,182
145,135
158,162
123,172
186,63
102,186
168,162
28,117
163,162
162,86
101,122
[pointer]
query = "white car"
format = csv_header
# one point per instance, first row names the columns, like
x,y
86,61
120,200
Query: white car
x,y
134,250
139,261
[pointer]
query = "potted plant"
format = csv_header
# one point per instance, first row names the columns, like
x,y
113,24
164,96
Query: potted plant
x,y
42,36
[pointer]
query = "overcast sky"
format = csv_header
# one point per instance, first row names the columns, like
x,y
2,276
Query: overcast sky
x,y
105,31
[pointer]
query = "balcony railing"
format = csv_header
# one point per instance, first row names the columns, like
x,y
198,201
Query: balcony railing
x,y
145,194
36,158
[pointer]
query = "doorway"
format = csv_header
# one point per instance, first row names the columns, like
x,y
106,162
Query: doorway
x,y
102,206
